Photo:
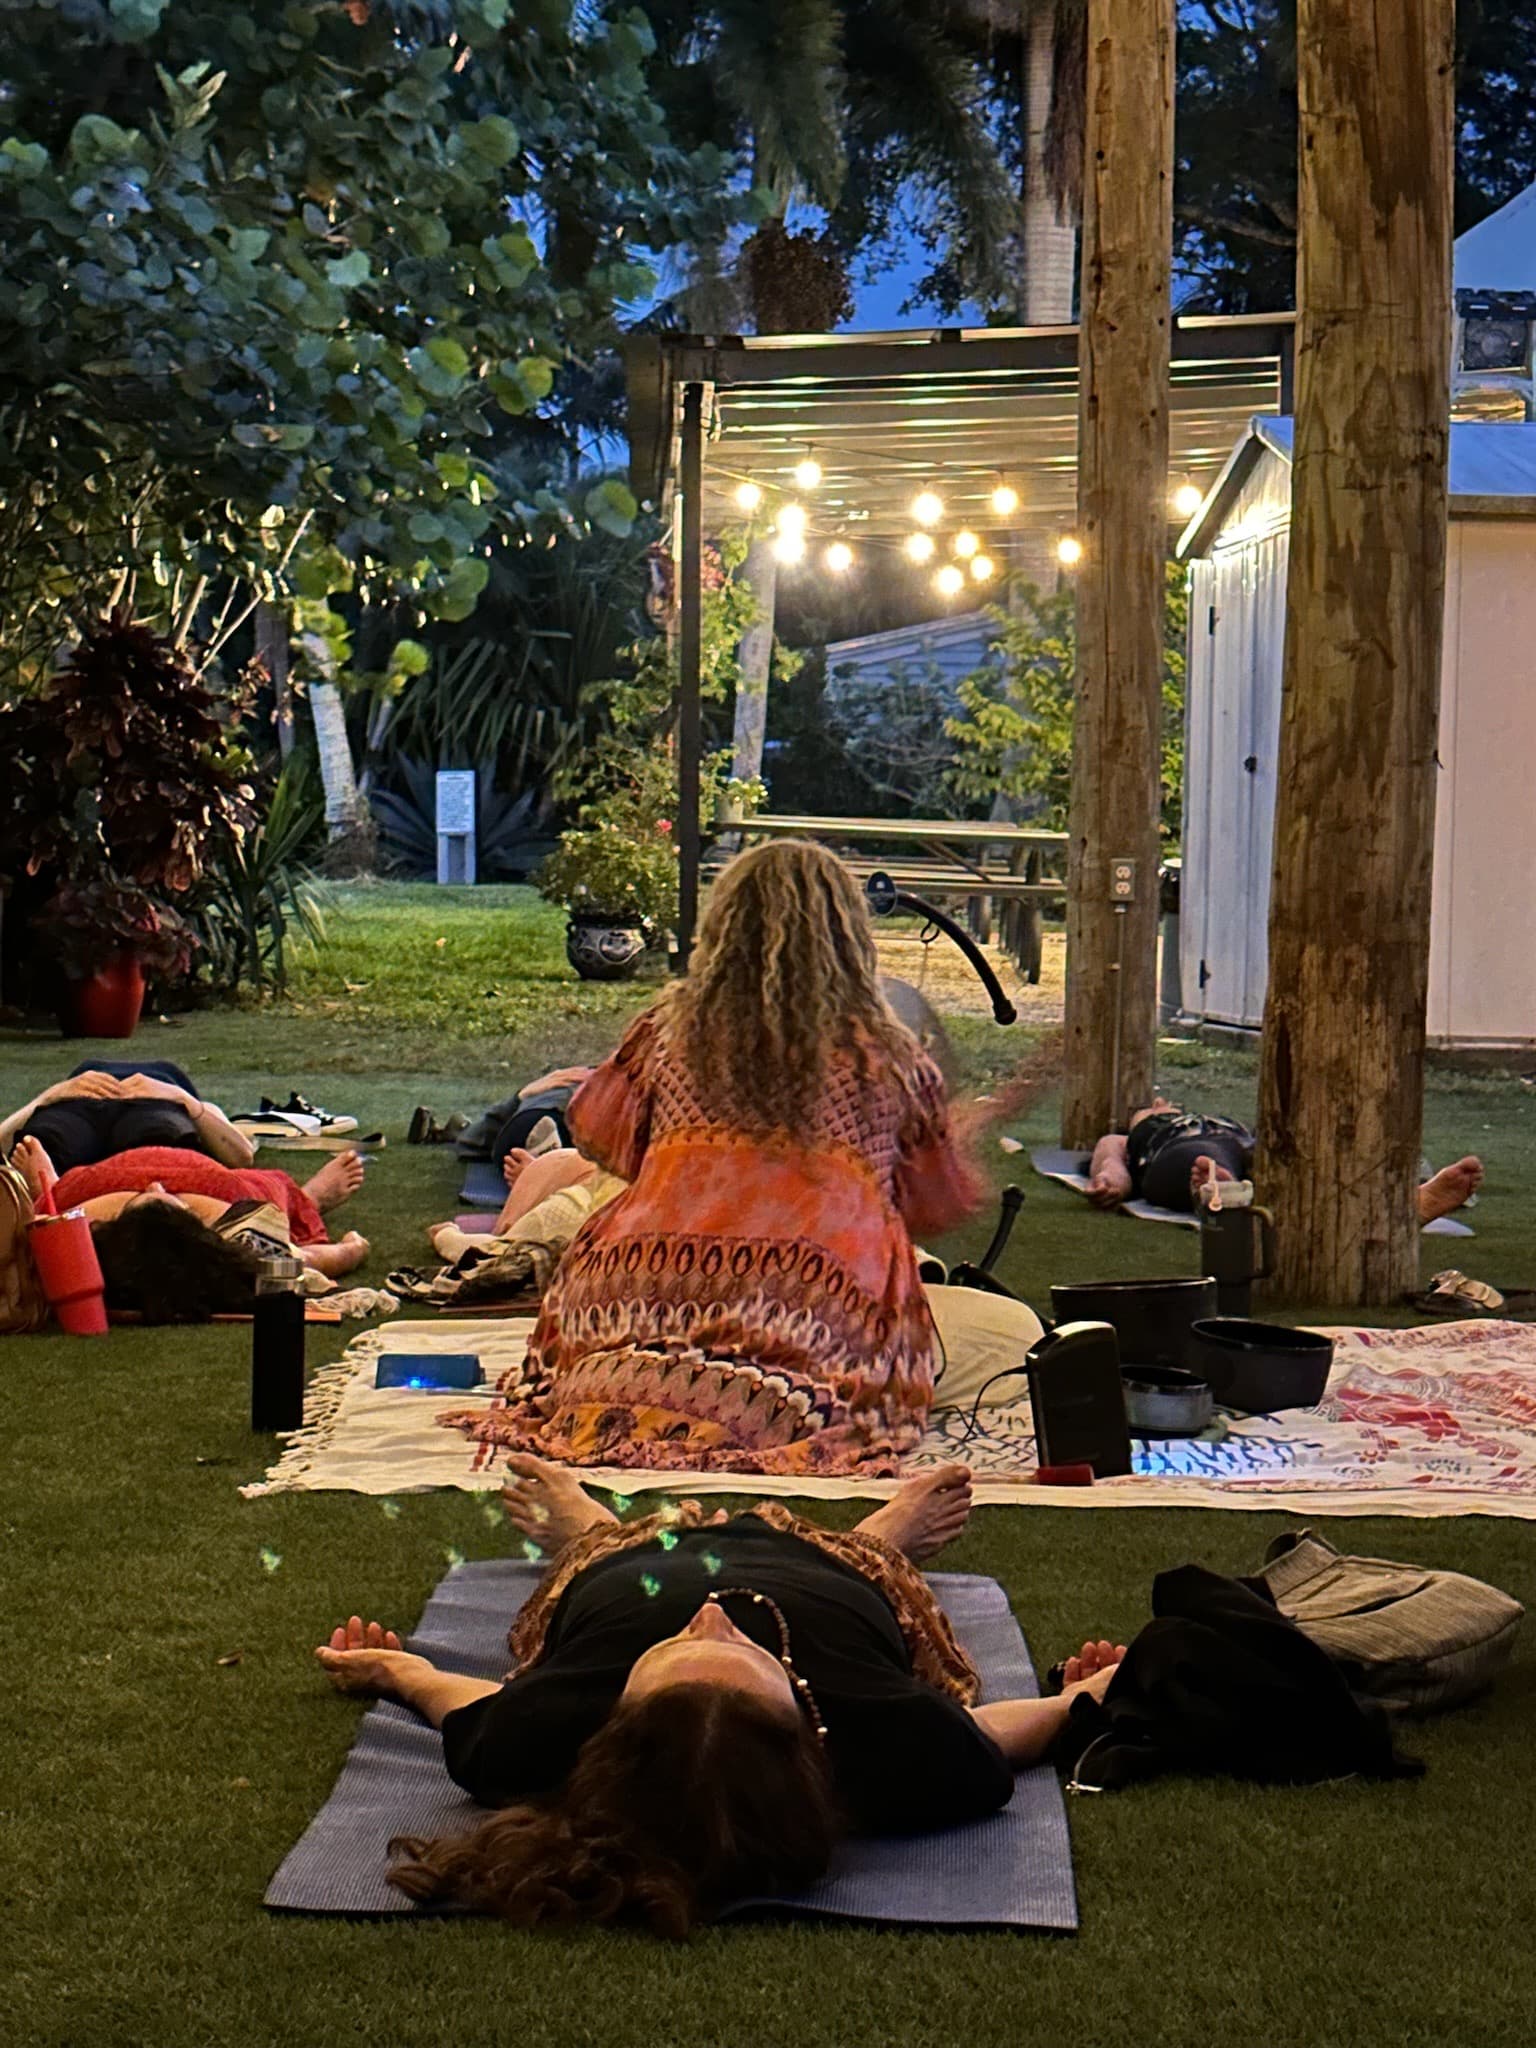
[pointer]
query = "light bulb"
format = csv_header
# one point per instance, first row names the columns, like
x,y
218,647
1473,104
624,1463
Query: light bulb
x,y
982,568
920,547
1187,500
789,547
927,508
792,520
748,497
807,473
1069,551
966,544
1005,501
839,557
950,581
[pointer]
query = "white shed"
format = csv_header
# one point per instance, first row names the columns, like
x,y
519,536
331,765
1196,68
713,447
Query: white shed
x,y
1482,979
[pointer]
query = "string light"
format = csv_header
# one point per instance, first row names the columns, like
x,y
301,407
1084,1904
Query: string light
x,y
839,557
950,581
1005,501
982,568
789,548
792,521
920,547
1187,500
927,508
1069,551
966,544
807,472
748,497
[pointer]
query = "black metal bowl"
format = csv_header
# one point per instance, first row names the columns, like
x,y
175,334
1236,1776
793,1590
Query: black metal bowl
x,y
1260,1368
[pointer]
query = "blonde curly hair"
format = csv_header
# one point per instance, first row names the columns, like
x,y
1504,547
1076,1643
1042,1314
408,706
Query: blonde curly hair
x,y
784,982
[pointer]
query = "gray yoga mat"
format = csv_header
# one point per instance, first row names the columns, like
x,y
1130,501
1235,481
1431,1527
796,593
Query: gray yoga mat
x,y
1014,1870
484,1186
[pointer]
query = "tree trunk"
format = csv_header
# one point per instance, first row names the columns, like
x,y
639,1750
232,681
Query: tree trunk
x,y
271,629
1048,241
754,656
1341,1086
338,776
1111,1006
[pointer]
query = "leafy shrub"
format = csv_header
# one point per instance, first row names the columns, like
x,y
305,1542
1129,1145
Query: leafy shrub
x,y
256,893
511,834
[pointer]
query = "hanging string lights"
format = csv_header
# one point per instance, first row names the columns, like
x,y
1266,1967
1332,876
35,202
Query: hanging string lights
x,y
927,508
807,472
1187,500
966,544
1005,500
1069,551
839,558
748,497
950,581
920,547
982,568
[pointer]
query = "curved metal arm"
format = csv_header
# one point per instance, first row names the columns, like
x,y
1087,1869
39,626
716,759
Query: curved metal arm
x,y
884,897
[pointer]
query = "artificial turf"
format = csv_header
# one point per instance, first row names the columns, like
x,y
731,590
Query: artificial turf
x,y
164,1736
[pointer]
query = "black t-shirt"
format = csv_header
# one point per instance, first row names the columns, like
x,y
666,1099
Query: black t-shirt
x,y
903,1755
1162,1149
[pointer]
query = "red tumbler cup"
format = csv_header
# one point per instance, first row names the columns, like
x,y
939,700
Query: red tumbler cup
x,y
66,1263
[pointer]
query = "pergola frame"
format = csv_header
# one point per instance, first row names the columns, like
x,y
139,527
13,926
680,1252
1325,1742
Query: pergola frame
x,y
704,412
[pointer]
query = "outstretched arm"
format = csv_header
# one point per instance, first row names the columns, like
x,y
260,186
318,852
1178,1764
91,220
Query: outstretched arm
x,y
363,1658
215,1131
93,1087
1025,1729
1109,1172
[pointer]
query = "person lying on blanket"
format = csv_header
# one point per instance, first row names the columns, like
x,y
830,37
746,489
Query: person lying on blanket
x,y
1171,1153
751,1301
700,1707
121,1106
169,1224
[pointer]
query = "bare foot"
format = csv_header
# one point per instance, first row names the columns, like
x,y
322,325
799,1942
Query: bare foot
x,y
548,1503
335,1259
1091,1670
1450,1188
35,1167
513,1165
927,1513
1203,1172
337,1179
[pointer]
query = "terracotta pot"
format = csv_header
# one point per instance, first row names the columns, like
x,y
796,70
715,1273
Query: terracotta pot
x,y
107,1005
604,948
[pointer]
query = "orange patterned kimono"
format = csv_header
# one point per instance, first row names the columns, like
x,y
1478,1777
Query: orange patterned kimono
x,y
747,1304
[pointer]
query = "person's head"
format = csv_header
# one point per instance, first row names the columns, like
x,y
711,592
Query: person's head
x,y
784,978
705,1785
164,1264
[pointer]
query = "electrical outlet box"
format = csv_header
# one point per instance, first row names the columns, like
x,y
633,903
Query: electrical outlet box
x,y
1122,881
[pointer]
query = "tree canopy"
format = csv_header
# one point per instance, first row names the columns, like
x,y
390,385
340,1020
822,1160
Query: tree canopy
x,y
285,288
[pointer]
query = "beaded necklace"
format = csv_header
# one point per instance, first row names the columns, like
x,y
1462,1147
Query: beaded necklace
x,y
803,1694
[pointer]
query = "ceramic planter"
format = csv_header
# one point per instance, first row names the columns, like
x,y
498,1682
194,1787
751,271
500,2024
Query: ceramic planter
x,y
604,947
107,1003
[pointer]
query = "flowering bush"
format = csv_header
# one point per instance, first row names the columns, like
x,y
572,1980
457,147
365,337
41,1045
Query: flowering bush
x,y
623,868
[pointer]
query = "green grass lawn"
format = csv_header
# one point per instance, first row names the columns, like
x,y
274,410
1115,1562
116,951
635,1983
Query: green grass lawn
x,y
164,1737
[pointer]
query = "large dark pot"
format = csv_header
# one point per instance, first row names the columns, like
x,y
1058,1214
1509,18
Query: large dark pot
x,y
1259,1368
605,948
106,1005
1152,1318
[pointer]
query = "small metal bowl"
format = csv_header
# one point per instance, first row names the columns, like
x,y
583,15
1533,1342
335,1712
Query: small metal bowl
x,y
1164,1400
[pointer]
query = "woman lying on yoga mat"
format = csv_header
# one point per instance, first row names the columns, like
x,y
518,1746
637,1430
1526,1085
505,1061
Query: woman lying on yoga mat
x,y
121,1106
1170,1153
751,1301
700,1707
160,1217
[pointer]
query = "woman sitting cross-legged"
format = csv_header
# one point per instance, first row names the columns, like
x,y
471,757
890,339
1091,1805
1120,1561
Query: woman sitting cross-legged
x,y
173,1229
751,1301
700,1709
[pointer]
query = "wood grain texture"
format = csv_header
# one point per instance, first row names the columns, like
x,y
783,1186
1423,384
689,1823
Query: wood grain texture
x,y
1123,527
1342,1071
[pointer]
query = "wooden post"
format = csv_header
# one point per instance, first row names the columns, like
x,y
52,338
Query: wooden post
x,y
690,596
1122,493
1341,1087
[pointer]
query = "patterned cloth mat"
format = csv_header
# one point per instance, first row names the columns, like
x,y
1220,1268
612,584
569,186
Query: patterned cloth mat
x,y
1014,1870
1439,1420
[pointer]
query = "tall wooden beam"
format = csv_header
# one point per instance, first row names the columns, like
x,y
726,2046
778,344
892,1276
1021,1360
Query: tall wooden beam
x,y
1122,492
689,648
1341,1087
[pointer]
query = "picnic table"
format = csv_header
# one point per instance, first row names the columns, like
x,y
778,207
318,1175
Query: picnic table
x,y
982,860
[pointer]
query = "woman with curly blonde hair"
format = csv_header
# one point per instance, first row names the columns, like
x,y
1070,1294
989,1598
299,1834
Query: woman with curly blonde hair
x,y
751,1302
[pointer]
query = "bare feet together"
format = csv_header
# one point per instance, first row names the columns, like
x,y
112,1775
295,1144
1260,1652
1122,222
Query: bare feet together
x,y
1091,1669
1450,1188
1201,1175
339,1178
333,1260
927,1513
34,1166
548,1503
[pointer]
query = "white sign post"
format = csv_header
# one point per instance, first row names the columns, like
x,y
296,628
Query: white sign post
x,y
455,825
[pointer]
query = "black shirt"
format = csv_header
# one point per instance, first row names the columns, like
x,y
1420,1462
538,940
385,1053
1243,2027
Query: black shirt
x,y
903,1755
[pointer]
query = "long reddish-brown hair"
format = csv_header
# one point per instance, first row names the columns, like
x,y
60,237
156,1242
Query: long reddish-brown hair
x,y
784,981
679,1805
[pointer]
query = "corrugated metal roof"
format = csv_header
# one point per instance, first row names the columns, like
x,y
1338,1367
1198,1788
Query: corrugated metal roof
x,y
1499,254
1491,460
953,647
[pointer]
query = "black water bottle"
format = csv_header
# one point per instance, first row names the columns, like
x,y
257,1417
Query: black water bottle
x,y
277,1347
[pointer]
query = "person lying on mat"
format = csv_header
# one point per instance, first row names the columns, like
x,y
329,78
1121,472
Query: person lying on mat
x,y
170,1226
700,1708
1171,1153
751,1301
120,1106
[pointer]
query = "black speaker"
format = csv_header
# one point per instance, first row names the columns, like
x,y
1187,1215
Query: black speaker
x,y
1077,1399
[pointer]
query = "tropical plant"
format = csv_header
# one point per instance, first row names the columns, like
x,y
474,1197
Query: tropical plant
x,y
482,703
623,868
288,292
256,894
511,832
100,917
1015,739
